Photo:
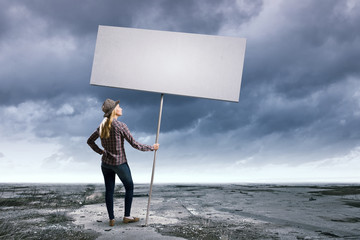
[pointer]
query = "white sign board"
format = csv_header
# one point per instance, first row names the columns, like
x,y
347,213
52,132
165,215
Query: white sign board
x,y
195,65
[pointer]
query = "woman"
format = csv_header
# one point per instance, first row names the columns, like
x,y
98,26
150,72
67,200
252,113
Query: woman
x,y
112,134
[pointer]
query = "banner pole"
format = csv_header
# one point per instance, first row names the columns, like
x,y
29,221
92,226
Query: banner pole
x,y
153,168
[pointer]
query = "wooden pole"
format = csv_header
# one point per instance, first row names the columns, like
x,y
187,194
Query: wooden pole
x,y
153,168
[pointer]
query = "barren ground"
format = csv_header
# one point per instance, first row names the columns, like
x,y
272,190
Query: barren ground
x,y
182,212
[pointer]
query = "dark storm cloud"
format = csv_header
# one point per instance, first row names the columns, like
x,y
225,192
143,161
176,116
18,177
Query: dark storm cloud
x,y
299,99
205,17
312,48
76,18
47,48
33,24
296,78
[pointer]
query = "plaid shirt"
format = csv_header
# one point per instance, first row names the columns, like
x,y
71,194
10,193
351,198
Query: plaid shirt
x,y
114,151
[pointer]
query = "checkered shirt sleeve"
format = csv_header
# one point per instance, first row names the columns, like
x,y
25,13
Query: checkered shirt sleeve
x,y
114,151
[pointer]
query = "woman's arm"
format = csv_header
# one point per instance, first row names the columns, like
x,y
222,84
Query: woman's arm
x,y
142,147
92,144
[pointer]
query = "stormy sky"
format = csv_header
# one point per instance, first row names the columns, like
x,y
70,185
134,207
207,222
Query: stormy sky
x,y
297,119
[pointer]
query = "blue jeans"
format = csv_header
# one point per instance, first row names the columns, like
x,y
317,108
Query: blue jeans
x,y
123,172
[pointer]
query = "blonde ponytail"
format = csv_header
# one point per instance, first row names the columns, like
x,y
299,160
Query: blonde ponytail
x,y
105,125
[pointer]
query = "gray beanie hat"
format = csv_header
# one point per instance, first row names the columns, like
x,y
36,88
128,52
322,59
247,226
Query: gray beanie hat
x,y
109,106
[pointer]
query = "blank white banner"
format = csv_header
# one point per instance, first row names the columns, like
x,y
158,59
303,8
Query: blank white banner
x,y
195,65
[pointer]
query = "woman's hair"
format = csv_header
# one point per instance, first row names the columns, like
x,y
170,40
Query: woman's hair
x,y
105,125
